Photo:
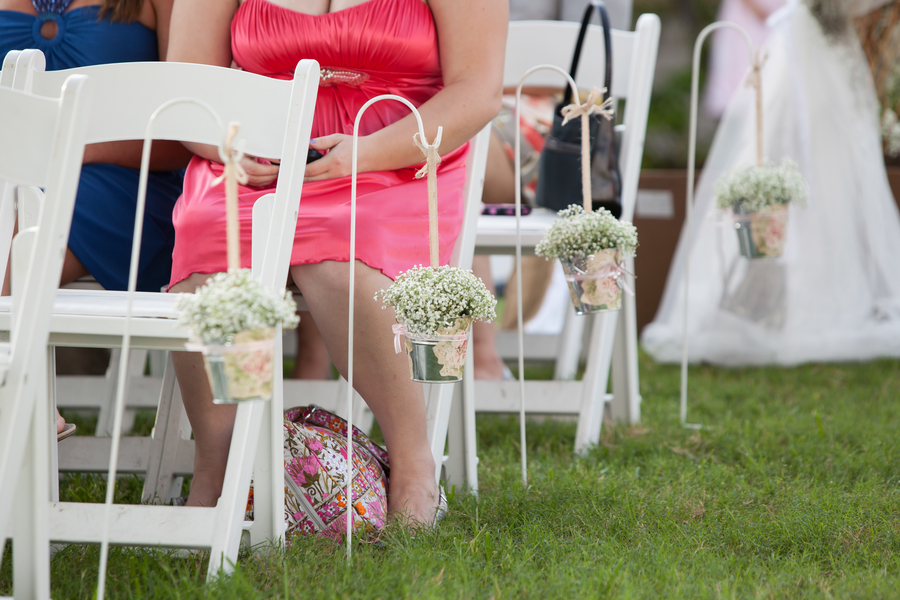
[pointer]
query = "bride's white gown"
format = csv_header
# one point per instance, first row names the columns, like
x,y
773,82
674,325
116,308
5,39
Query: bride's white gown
x,y
835,294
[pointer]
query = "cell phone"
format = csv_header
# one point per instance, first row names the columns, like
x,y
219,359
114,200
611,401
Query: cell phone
x,y
313,155
505,210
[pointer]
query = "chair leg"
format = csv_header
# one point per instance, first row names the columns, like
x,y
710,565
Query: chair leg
x,y
166,439
569,346
31,541
48,391
626,403
233,501
438,400
268,470
462,463
596,377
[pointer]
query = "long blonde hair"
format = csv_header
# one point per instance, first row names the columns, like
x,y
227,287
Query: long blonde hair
x,y
121,11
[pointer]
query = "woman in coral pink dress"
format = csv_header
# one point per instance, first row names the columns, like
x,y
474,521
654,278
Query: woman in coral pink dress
x,y
446,57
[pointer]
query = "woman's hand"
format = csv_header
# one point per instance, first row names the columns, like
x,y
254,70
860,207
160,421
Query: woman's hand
x,y
337,160
260,172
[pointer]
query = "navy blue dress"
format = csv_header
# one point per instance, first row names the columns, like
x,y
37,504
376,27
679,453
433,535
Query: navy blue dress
x,y
103,221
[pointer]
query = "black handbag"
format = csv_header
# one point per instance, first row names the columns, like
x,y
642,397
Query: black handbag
x,y
559,172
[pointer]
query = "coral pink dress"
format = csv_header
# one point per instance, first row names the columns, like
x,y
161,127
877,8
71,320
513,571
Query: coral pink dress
x,y
378,47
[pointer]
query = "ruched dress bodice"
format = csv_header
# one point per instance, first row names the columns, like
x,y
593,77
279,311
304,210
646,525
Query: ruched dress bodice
x,y
378,47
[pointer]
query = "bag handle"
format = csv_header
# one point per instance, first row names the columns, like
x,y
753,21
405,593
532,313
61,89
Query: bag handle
x,y
607,43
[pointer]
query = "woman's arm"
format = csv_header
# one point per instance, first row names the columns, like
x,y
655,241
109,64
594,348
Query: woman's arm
x,y
165,155
472,43
201,33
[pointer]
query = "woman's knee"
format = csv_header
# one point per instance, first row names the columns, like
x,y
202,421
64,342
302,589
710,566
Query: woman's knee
x,y
331,276
191,283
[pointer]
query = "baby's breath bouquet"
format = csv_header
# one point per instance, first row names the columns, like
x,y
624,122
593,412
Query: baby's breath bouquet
x,y
435,307
580,233
427,299
758,197
233,302
753,189
591,247
233,319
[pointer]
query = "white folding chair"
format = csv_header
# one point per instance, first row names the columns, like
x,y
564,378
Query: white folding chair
x,y
634,61
42,145
275,121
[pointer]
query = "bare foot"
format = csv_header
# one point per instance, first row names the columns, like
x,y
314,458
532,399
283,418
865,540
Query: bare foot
x,y
414,495
313,361
491,370
206,487
60,423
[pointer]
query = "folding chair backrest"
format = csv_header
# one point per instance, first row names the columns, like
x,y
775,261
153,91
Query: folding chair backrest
x,y
127,94
42,145
476,164
532,43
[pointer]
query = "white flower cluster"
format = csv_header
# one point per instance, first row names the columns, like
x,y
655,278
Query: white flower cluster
x,y
753,189
426,298
581,234
233,302
890,131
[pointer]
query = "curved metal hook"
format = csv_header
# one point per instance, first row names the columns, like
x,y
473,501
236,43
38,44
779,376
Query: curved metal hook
x,y
691,173
353,174
126,333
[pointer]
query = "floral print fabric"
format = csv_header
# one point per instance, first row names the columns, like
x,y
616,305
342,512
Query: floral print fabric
x,y
315,458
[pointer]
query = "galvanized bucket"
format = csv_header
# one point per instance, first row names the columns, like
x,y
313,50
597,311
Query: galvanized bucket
x,y
439,358
761,234
595,282
243,370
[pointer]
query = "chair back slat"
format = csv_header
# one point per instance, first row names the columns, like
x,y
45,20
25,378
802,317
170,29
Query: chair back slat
x,y
126,95
26,118
532,43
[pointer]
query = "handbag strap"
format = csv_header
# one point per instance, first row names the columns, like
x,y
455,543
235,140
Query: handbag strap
x,y
607,43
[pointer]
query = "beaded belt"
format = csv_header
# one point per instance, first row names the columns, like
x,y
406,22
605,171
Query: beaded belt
x,y
329,76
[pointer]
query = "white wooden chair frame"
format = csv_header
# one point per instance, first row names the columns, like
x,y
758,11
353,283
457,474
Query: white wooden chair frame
x,y
634,61
168,454
42,145
93,318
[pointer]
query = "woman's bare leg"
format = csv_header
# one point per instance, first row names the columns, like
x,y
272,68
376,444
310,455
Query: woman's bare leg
x,y
212,423
313,361
486,359
72,270
380,376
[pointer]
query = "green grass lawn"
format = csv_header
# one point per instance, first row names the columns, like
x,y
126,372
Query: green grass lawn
x,y
791,492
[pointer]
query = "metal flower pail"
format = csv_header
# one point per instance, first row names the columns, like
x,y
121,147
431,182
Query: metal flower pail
x,y
761,234
242,370
595,282
438,358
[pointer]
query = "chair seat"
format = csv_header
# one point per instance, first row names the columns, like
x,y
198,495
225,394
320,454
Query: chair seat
x,y
96,318
496,234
